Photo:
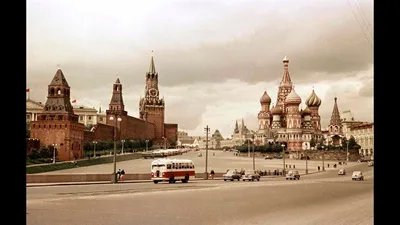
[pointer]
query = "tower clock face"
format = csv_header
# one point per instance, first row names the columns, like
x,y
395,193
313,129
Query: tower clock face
x,y
153,92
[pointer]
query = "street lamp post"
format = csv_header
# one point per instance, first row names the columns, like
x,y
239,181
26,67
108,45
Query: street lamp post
x,y
254,159
54,153
248,148
323,158
207,129
147,145
114,174
347,152
165,142
306,159
283,157
94,149
123,142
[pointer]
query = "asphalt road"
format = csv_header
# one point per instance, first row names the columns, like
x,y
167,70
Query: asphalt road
x,y
219,162
321,198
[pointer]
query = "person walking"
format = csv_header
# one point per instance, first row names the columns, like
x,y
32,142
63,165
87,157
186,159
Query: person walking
x,y
119,174
122,175
212,174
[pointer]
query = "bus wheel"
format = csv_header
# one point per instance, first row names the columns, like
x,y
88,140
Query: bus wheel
x,y
171,179
186,179
155,181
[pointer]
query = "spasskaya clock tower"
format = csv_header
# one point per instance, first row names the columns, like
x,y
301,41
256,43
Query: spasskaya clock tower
x,y
151,106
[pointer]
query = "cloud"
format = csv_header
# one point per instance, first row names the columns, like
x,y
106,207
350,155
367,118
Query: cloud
x,y
214,58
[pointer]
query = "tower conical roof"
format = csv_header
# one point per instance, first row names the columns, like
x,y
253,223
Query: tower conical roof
x,y
59,79
335,118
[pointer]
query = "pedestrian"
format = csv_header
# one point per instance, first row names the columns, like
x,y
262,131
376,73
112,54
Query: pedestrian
x,y
290,166
328,165
318,168
212,174
122,175
294,166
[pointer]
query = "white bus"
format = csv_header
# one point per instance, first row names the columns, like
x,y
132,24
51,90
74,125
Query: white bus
x,y
172,170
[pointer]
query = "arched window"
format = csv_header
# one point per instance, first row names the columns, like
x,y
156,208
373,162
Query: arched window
x,y
59,91
51,91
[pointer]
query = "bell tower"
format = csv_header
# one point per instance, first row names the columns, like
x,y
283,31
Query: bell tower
x,y
151,106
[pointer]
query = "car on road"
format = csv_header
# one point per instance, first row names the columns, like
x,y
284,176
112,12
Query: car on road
x,y
371,163
357,175
293,175
278,157
251,175
342,172
268,157
232,175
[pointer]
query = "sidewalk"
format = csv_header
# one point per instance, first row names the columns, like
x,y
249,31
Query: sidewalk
x,y
128,181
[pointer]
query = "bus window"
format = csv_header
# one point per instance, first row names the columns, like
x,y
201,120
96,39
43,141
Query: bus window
x,y
173,165
168,166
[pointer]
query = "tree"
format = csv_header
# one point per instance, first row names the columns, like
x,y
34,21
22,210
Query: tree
x,y
312,142
344,143
28,130
352,142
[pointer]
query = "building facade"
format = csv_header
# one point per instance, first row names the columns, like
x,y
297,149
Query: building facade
x,y
363,133
57,124
86,115
285,123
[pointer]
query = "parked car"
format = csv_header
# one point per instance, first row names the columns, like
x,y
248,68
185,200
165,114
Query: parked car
x,y
293,175
357,175
342,172
232,175
250,175
278,157
268,157
371,163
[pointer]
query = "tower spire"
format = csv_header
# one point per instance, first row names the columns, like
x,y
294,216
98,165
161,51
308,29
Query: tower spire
x,y
335,118
152,67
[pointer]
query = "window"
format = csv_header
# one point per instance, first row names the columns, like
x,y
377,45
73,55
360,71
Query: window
x,y
90,117
81,118
168,166
28,117
101,118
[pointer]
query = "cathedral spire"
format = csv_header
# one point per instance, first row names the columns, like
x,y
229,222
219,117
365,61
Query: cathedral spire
x,y
335,118
286,80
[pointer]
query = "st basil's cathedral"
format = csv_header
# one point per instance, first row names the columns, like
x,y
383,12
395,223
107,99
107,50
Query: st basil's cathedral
x,y
285,123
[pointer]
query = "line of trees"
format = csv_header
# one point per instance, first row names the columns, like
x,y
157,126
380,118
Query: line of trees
x,y
107,145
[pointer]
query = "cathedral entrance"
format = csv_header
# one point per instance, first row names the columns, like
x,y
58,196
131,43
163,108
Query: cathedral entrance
x,y
336,140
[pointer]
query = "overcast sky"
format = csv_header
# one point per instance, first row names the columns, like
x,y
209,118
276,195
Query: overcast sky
x,y
215,58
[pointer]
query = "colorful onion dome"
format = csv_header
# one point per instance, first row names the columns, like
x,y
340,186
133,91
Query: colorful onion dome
x,y
313,100
293,98
265,98
277,110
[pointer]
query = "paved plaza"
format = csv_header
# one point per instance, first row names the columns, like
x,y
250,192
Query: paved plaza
x,y
319,198
219,162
